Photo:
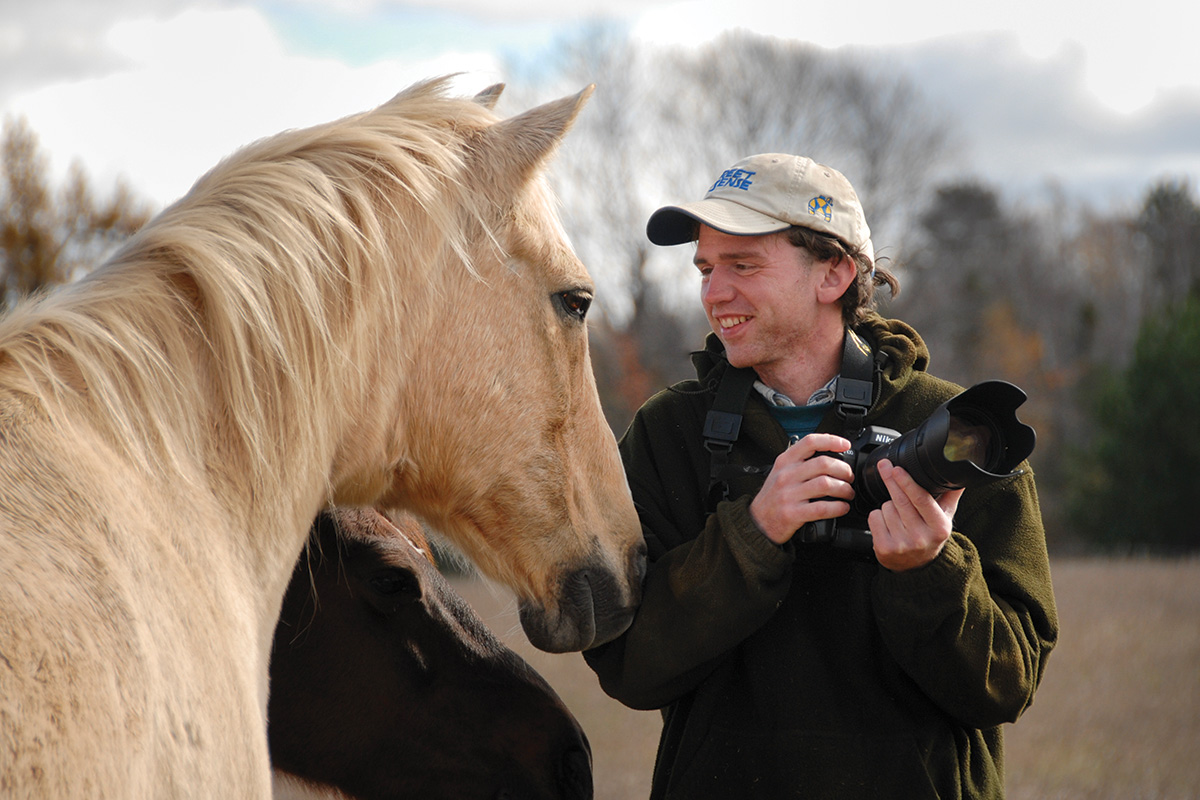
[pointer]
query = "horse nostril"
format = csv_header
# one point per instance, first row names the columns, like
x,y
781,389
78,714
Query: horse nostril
x,y
575,775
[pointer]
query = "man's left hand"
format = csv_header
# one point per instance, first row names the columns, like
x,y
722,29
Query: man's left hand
x,y
910,530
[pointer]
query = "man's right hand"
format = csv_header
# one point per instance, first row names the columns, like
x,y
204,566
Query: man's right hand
x,y
801,488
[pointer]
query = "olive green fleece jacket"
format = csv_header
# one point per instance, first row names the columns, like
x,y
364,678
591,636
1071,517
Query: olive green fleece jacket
x,y
802,671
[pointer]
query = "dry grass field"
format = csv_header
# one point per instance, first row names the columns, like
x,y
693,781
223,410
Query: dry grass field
x,y
1117,717
1118,713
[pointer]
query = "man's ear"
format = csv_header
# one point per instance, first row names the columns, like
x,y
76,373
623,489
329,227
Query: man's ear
x,y
837,278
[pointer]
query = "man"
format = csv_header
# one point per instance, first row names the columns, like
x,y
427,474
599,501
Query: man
x,y
793,669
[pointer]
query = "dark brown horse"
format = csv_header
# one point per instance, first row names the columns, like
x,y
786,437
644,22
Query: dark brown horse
x,y
385,684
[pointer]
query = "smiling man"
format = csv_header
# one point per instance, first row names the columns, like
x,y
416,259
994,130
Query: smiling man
x,y
785,668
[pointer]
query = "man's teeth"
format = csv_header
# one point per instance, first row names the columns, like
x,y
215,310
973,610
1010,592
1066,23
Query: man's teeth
x,y
729,322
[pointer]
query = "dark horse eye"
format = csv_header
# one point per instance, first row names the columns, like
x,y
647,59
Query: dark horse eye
x,y
396,583
574,303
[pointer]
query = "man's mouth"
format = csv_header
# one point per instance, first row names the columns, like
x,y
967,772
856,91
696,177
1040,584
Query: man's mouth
x,y
729,322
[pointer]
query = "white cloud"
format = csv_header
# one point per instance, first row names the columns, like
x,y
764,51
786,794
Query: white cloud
x,y
1128,56
1053,87
195,87
523,10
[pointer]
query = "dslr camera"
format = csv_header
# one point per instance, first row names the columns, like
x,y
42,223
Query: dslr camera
x,y
972,439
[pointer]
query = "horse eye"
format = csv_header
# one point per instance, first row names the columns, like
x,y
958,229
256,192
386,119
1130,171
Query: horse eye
x,y
395,582
574,303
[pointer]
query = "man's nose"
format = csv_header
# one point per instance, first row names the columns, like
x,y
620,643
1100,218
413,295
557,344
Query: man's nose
x,y
717,289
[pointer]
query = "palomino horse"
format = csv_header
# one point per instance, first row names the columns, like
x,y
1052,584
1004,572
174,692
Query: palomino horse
x,y
385,684
380,311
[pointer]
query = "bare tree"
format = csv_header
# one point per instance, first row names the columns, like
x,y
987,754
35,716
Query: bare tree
x,y
1169,228
664,122
608,179
888,141
48,238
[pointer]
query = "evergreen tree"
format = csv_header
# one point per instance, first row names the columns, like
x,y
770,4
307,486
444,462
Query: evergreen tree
x,y
1137,484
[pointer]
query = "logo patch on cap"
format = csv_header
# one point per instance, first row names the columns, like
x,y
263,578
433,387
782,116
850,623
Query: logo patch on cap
x,y
821,206
735,179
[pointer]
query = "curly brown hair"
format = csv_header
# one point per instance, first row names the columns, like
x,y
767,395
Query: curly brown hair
x,y
859,297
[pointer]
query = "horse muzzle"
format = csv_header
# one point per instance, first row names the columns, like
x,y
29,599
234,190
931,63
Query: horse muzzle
x,y
594,606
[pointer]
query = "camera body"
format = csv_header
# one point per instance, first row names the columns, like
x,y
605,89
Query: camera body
x,y
850,532
972,439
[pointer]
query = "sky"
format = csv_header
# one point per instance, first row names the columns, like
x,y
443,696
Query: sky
x,y
1098,100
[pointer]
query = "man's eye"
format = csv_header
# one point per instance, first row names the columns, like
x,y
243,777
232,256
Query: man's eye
x,y
574,303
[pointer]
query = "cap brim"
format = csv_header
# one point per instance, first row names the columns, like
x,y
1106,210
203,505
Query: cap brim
x,y
677,224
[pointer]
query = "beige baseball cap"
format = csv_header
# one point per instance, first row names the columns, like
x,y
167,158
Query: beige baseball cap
x,y
768,193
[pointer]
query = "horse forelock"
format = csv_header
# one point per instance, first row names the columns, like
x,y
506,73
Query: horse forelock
x,y
271,276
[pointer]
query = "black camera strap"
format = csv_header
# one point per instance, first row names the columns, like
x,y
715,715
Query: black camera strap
x,y
852,401
856,384
724,423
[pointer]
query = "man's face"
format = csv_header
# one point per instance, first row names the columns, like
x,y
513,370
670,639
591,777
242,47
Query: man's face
x,y
760,296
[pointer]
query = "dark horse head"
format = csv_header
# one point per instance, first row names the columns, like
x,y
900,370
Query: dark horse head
x,y
385,684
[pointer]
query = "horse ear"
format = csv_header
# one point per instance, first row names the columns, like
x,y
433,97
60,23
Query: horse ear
x,y
488,97
514,149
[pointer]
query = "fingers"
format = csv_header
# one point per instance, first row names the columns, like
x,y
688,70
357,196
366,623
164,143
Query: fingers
x,y
949,501
812,444
912,499
804,486
912,502
912,527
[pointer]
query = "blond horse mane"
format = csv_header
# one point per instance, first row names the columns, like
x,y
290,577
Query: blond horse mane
x,y
248,282
299,331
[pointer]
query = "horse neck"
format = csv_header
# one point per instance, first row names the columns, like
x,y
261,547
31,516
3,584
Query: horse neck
x,y
131,355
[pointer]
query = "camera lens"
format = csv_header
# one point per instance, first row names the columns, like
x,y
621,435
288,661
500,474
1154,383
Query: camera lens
x,y
971,439
967,440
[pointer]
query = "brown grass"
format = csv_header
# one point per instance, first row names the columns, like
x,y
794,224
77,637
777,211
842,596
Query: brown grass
x,y
1118,712
1117,716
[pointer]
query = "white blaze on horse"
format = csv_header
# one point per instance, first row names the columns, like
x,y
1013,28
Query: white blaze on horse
x,y
385,684
381,310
